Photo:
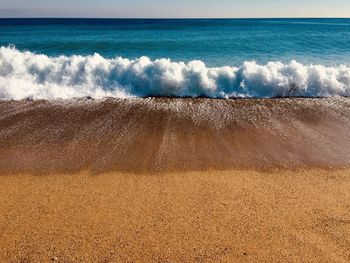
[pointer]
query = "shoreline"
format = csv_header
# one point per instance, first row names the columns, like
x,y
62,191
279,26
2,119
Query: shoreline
x,y
149,135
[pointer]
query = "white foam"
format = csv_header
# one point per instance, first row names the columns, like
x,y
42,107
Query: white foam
x,y
28,75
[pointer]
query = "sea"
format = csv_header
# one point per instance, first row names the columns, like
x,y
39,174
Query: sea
x,y
215,58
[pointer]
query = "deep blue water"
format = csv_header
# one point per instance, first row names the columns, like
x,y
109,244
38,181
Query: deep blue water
x,y
217,42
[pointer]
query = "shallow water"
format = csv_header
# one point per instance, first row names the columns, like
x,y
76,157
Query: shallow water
x,y
164,134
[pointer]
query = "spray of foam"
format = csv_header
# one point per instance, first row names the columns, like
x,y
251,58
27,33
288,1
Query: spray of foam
x,y
28,75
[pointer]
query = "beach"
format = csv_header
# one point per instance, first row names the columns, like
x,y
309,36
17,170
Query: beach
x,y
175,180
213,216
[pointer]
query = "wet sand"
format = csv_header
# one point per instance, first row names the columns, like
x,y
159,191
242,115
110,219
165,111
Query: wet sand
x,y
164,134
175,180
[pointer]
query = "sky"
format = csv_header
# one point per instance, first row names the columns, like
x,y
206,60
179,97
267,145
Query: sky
x,y
175,8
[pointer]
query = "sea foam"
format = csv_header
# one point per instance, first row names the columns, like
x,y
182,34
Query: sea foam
x,y
28,75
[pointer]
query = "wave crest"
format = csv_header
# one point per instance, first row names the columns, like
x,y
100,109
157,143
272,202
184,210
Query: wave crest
x,y
29,75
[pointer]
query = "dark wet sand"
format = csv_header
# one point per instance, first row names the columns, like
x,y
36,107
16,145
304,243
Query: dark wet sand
x,y
175,180
159,134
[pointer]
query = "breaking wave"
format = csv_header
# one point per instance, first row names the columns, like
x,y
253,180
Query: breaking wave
x,y
28,75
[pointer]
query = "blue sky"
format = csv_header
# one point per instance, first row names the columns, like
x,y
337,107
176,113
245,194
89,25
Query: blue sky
x,y
175,8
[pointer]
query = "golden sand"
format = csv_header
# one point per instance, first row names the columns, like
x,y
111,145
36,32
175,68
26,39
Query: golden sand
x,y
216,216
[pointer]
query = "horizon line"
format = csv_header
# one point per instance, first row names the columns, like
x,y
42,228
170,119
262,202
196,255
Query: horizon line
x,y
178,18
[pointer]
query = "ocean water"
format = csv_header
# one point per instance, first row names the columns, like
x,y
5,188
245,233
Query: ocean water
x,y
221,58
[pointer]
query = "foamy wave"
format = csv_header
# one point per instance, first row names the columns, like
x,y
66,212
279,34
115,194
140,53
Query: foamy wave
x,y
28,75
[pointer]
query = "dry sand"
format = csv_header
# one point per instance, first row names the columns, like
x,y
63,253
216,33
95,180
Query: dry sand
x,y
175,180
227,216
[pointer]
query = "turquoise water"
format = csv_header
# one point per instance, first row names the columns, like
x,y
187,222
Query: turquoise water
x,y
216,42
219,58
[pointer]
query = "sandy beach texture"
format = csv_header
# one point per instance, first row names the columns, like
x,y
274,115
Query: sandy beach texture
x,y
175,180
